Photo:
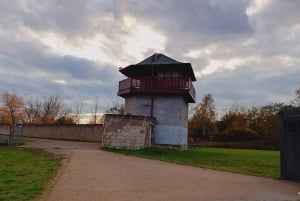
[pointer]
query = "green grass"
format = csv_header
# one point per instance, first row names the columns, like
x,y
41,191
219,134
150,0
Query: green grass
x,y
251,162
24,173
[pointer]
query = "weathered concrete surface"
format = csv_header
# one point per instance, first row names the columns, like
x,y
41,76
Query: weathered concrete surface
x,y
98,175
61,147
79,132
170,112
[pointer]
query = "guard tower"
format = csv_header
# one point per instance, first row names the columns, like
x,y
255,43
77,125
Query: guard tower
x,y
160,87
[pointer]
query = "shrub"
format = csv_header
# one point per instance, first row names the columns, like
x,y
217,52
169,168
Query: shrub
x,y
237,134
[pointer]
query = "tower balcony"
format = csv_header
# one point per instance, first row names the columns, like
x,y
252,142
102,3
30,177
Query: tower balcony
x,y
158,85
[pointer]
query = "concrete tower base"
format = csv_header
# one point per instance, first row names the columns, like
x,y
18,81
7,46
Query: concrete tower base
x,y
170,111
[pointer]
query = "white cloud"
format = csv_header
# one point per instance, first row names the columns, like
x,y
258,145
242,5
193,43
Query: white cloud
x,y
224,65
201,52
87,48
143,39
63,82
256,6
240,50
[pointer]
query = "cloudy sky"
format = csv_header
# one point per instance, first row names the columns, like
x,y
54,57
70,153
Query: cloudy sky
x,y
245,51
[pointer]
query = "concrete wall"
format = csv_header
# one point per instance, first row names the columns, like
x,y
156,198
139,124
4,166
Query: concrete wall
x,y
170,112
138,105
4,129
127,131
89,133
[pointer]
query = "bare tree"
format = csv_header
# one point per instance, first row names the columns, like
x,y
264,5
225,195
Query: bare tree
x,y
33,111
94,111
79,104
49,111
54,111
65,118
117,108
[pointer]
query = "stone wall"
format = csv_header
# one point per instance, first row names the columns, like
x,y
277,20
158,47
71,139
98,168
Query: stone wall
x,y
127,131
88,133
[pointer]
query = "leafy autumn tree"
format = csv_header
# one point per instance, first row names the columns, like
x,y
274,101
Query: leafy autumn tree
x,y
12,108
11,111
235,117
4,116
203,121
266,121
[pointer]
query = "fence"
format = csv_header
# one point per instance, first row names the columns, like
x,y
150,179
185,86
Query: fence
x,y
17,136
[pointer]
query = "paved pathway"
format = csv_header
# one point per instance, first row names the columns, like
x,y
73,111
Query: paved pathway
x,y
61,147
92,175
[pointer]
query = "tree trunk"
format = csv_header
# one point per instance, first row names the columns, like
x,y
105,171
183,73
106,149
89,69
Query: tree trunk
x,y
11,131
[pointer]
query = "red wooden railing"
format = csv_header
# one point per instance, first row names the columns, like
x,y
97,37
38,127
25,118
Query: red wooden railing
x,y
157,85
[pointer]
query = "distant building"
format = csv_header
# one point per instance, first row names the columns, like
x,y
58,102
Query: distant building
x,y
160,87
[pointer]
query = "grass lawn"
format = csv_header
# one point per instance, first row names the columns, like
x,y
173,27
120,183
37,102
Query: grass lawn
x,y
24,173
244,161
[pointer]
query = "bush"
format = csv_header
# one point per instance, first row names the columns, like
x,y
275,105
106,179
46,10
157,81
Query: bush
x,y
237,135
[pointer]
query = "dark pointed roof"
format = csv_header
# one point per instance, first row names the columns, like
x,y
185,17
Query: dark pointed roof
x,y
158,62
158,59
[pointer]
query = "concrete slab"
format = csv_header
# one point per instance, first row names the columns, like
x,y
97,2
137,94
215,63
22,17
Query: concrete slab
x,y
60,147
